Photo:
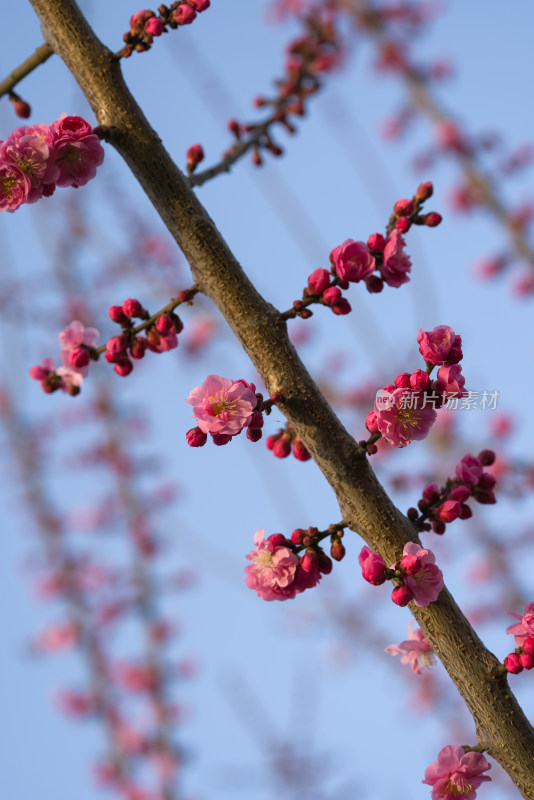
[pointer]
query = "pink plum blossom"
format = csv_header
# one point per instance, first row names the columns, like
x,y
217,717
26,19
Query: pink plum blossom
x,y
397,264
440,346
78,159
34,156
73,338
404,417
469,470
373,566
273,569
352,261
525,627
426,584
450,381
456,774
416,650
223,406
14,187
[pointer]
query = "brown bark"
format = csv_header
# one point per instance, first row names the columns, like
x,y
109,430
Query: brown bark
x,y
502,728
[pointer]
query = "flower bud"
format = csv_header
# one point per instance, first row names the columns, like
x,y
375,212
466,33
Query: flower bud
x,y
184,14
371,422
513,664
282,447
403,225
309,560
299,451
164,324
324,564
196,438
526,660
374,284
277,540
254,434
433,219
410,565
404,208
376,242
298,535
116,314
123,366
449,511
528,645
133,308
79,358
221,438
402,381
372,566
424,191
332,295
337,550
318,281
401,595
486,458
419,380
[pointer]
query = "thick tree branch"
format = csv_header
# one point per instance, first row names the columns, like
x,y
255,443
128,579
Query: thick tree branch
x,y
501,725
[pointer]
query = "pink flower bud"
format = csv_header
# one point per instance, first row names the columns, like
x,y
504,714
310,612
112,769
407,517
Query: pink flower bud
x,y
337,550
401,595
449,511
404,208
196,438
154,26
332,295
254,434
373,566
433,219
431,492
184,15
403,225
371,422
79,358
410,565
469,470
424,191
376,242
116,314
342,307
138,347
221,438
282,447
460,493
374,284
164,324
199,5
526,661
318,281
133,308
299,451
324,564
298,535
277,540
123,367
528,645
276,397
195,154
309,560
402,381
116,345
22,108
513,664
420,380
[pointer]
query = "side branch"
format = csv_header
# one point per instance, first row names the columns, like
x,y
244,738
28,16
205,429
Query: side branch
x,y
41,55
501,725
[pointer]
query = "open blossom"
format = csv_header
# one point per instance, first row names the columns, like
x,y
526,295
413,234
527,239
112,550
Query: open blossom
x,y
416,650
397,264
273,569
440,346
14,187
223,406
456,774
425,584
402,416
74,356
30,149
373,566
525,627
469,470
352,261
450,381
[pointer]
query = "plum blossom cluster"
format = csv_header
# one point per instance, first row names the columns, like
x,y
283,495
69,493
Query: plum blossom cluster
x,y
379,261
440,506
146,25
406,410
311,55
457,772
35,159
281,568
416,576
523,633
223,408
78,349
285,442
161,334
416,650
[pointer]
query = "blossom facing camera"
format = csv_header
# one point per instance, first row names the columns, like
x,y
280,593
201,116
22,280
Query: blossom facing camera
x,y
222,406
456,774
